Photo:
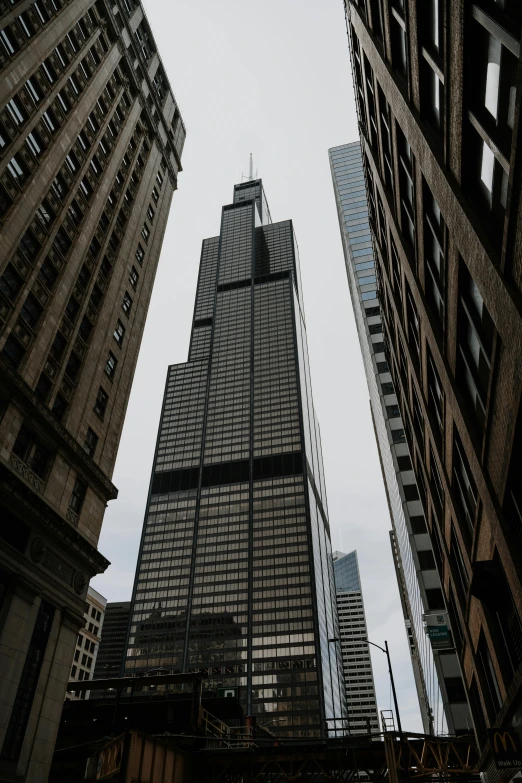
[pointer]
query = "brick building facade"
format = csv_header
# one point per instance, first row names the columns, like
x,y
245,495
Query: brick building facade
x,y
91,139
438,95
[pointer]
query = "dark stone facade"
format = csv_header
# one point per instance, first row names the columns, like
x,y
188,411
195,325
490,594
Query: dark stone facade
x,y
91,142
438,98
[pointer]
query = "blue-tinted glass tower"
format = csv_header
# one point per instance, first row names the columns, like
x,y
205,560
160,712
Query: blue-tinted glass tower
x,y
436,668
234,573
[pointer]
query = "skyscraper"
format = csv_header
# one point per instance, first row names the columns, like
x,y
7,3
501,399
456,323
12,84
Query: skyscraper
x,y
111,653
442,699
357,663
438,97
91,139
234,572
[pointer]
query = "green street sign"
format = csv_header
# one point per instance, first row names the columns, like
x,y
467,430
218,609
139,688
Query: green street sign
x,y
227,693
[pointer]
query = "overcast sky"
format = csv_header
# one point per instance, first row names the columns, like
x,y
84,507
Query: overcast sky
x,y
274,79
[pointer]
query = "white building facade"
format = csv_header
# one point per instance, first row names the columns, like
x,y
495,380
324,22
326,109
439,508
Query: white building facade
x,y
357,664
88,642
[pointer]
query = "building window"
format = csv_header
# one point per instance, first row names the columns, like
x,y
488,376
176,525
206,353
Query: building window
x,y
155,194
418,416
140,254
134,277
100,406
28,448
413,325
110,367
437,488
461,578
406,187
145,232
398,41
159,179
491,80
119,333
435,399
91,441
475,345
435,599
396,275
78,495
127,303
377,18
385,123
434,244
372,113
150,213
491,692
464,487
426,560
513,492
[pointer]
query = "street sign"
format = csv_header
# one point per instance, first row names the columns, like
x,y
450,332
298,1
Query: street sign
x,y
505,747
227,693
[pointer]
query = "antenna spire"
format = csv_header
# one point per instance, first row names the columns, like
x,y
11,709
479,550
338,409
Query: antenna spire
x,y
251,170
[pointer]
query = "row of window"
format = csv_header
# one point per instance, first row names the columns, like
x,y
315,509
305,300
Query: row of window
x,y
14,36
491,38
26,102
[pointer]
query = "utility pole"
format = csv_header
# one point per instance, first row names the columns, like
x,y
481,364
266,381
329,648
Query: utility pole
x,y
386,651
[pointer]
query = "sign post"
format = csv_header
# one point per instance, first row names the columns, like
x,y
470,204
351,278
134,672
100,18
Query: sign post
x,y
505,747
438,631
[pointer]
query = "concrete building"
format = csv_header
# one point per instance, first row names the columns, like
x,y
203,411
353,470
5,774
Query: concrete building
x,y
88,643
361,701
91,139
234,573
111,654
438,680
438,97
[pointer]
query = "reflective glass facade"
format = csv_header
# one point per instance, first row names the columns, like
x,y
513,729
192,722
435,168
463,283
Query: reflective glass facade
x,y
235,574
357,663
437,672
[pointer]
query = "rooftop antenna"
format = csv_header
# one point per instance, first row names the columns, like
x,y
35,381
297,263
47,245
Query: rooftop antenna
x,y
250,177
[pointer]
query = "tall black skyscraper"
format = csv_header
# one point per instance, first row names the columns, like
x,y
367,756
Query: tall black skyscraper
x,y
234,572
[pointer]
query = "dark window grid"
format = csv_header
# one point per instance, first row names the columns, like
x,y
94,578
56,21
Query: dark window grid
x,y
75,171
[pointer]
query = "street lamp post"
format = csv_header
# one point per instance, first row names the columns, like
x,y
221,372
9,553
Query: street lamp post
x,y
386,651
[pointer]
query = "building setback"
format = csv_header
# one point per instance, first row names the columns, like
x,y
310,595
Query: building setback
x,y
91,139
357,663
234,573
111,653
438,98
88,643
438,680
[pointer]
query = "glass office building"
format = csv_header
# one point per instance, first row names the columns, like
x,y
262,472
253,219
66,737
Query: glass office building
x,y
442,698
234,573
357,663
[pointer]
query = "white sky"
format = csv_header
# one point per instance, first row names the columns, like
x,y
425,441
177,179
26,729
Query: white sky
x,y
272,78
